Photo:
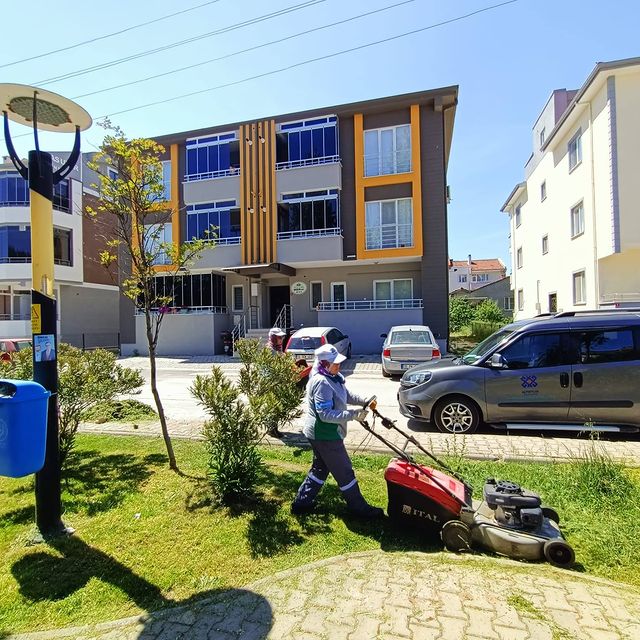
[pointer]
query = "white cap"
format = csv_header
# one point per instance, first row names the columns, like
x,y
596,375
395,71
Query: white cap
x,y
276,331
329,353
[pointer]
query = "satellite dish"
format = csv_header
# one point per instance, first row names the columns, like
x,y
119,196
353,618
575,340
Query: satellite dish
x,y
52,111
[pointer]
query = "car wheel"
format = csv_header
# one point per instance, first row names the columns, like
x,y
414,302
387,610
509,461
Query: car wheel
x,y
349,351
385,373
456,414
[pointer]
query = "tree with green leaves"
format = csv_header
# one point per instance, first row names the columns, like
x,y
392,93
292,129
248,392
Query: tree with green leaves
x,y
460,313
132,203
489,311
85,379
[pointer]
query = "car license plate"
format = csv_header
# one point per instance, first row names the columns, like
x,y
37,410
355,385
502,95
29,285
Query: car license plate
x,y
405,366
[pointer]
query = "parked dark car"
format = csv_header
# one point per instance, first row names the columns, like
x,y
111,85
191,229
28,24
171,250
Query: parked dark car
x,y
570,371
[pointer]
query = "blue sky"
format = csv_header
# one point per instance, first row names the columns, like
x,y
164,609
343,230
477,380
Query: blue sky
x,y
506,62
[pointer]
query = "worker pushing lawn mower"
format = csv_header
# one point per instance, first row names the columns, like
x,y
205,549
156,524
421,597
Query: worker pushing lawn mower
x,y
510,520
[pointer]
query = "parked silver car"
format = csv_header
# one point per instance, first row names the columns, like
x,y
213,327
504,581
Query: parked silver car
x,y
571,371
406,346
305,341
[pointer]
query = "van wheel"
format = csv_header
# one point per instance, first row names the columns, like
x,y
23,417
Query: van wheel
x,y
349,352
456,414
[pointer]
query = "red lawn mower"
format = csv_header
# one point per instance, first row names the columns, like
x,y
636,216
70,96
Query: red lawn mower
x,y
510,520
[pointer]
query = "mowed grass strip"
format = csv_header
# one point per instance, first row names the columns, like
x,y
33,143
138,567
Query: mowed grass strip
x,y
148,538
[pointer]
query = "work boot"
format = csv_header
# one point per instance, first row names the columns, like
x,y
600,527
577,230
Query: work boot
x,y
305,500
358,506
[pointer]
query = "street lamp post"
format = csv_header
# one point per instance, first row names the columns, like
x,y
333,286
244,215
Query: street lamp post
x,y
47,111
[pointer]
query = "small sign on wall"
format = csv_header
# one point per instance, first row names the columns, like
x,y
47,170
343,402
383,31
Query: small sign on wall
x,y
298,288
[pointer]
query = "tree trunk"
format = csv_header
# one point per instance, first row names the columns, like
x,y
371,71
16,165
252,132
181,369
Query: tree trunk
x,y
156,396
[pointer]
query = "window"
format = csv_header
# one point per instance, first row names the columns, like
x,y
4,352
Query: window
x,y
518,216
166,180
542,136
520,300
537,350
579,285
156,237
575,151
307,142
545,244
480,277
308,214
212,157
15,245
393,289
462,279
577,220
387,150
389,224
338,294
192,291
62,247
112,174
237,291
508,303
315,294
611,345
543,191
519,258
14,192
553,303
218,221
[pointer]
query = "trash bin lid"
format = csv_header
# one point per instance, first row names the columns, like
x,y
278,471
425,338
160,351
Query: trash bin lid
x,y
21,391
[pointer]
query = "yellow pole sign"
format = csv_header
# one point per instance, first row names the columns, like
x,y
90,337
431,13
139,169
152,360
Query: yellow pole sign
x,y
36,319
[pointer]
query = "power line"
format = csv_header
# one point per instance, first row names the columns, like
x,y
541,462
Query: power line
x,y
108,35
305,62
173,45
236,53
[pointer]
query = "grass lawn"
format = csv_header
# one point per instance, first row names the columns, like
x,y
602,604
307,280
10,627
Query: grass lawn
x,y
148,538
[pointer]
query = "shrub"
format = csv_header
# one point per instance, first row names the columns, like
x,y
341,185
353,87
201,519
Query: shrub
x,y
85,378
460,313
489,311
481,330
231,437
270,382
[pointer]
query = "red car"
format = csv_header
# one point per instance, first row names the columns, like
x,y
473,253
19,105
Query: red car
x,y
9,346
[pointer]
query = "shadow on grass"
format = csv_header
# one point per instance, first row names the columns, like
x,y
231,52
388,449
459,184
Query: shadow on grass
x,y
43,576
95,482
23,515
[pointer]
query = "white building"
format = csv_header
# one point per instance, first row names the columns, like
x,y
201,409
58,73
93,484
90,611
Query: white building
x,y
575,220
88,302
471,274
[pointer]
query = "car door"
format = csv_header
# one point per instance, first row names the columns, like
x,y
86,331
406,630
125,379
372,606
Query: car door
x,y
534,386
605,382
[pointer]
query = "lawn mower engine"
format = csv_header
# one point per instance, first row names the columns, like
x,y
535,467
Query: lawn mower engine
x,y
511,521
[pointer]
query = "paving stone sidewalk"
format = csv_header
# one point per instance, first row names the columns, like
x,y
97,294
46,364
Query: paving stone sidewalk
x,y
393,596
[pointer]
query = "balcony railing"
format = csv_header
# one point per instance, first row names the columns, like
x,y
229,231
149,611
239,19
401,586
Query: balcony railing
x,y
309,233
222,241
387,163
390,237
370,305
209,175
307,162
27,260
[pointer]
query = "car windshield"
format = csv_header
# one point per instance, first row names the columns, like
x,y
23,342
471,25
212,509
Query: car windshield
x,y
481,350
304,342
23,344
410,337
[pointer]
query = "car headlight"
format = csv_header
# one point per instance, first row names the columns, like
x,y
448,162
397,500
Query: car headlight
x,y
419,377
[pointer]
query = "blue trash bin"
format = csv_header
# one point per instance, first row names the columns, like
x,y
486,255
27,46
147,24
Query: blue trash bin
x,y
23,427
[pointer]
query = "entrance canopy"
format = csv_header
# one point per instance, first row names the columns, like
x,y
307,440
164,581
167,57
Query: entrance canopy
x,y
260,269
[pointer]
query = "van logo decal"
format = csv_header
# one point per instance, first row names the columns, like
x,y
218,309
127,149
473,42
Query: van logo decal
x,y
529,382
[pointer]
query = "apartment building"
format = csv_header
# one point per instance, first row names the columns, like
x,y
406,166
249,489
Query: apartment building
x,y
329,217
472,274
575,229
87,298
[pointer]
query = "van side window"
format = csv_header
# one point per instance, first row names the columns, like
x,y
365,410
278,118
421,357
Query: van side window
x,y
609,345
537,350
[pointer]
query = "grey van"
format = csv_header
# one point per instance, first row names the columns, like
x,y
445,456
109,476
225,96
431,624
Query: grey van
x,y
576,370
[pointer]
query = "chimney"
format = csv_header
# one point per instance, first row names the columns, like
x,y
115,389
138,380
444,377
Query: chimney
x,y
450,263
469,260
